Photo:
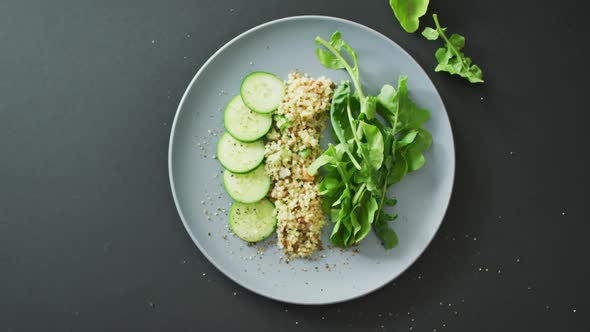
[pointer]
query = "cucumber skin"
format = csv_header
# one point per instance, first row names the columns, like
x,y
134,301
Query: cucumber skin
x,y
231,224
242,85
229,169
234,136
245,202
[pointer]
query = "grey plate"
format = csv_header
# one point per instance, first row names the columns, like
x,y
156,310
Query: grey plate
x,y
195,176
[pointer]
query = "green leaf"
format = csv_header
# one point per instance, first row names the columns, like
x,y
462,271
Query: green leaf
x,y
355,228
337,235
336,40
389,217
366,215
341,235
408,12
414,152
410,115
430,33
390,201
407,138
328,59
457,41
450,58
374,145
355,61
329,156
387,235
399,170
370,107
388,102
330,185
339,116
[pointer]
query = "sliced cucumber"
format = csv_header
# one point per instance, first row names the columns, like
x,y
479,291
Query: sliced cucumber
x,y
239,157
252,222
262,92
242,123
247,188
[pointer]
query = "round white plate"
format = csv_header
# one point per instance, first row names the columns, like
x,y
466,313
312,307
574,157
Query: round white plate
x,y
195,176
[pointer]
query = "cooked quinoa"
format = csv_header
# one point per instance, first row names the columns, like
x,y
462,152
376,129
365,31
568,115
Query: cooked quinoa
x,y
302,115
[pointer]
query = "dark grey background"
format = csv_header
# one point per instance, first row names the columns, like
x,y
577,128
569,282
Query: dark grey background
x,y
89,236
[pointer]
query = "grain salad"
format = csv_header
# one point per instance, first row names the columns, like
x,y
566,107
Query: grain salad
x,y
293,144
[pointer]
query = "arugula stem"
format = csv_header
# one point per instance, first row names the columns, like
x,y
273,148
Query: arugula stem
x,y
352,158
342,174
337,54
359,193
354,133
447,41
381,201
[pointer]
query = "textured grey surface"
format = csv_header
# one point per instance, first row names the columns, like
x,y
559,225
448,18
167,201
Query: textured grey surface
x,y
333,275
90,239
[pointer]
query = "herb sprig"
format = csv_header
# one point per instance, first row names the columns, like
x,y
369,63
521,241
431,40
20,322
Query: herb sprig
x,y
450,58
370,155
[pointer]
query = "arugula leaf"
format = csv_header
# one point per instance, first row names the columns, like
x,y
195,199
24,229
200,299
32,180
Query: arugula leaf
x,y
414,152
340,118
390,201
329,156
341,235
366,215
385,233
408,12
399,169
328,59
430,33
450,58
370,107
374,145
407,138
334,60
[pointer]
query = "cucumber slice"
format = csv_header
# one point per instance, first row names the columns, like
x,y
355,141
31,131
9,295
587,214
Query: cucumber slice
x,y
242,123
247,188
262,92
252,222
239,157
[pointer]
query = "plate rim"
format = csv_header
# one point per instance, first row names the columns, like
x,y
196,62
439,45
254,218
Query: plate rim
x,y
173,134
